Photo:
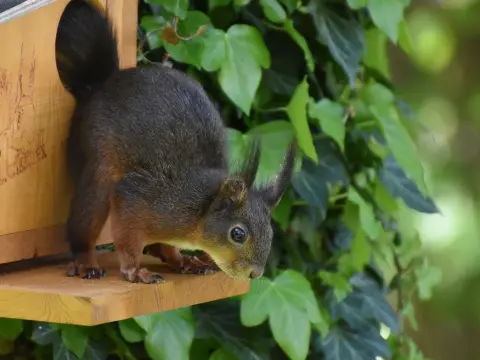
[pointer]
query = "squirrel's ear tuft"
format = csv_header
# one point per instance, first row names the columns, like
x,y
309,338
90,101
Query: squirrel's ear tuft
x,y
233,189
251,161
272,193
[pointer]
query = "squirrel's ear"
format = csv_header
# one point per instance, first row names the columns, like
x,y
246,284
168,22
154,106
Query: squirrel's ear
x,y
233,189
272,193
251,161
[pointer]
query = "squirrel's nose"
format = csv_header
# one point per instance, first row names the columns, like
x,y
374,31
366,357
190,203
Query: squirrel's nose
x,y
256,273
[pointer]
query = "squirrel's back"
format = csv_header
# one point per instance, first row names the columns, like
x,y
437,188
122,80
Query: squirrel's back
x,y
156,117
153,118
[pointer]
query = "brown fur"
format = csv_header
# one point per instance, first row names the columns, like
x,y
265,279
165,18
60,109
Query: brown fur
x,y
147,146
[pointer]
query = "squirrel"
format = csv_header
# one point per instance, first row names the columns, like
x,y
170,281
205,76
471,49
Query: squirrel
x,y
147,146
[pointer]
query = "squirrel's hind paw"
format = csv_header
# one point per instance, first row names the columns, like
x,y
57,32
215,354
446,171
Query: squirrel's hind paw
x,y
85,272
143,275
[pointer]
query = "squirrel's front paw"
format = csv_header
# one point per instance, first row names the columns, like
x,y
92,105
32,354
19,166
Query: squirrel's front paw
x,y
142,275
193,265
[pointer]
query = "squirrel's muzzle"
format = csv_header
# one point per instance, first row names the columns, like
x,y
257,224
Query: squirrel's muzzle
x,y
256,272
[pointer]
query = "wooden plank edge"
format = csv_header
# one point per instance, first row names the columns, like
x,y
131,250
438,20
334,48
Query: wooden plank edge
x,y
95,302
213,287
91,311
23,9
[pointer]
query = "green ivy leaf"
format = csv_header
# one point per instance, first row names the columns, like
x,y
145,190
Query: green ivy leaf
x,y
294,285
414,352
212,4
409,249
297,112
291,5
399,141
236,147
377,94
214,51
169,334
289,303
61,351
387,15
10,329
402,146
241,72
289,288
376,56
274,137
330,117
190,51
340,284
357,4
368,221
409,312
96,351
222,354
399,186
303,224
428,277
254,307
371,300
176,7
131,331
273,11
44,333
240,3
291,329
383,198
378,148
122,348
359,255
360,250
300,40
345,38
221,321
309,185
345,344
281,213
75,339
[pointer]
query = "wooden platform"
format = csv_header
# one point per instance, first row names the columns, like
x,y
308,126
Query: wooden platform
x,y
46,294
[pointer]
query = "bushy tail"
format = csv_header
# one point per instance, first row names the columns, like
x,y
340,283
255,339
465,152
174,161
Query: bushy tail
x,y
86,49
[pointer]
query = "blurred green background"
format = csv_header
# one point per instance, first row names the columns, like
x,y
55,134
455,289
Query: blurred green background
x,y
442,84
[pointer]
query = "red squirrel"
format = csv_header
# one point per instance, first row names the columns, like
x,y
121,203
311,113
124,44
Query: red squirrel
x,y
147,146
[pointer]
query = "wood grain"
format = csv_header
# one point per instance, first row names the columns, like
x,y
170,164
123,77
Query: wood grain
x,y
35,114
46,294
34,118
33,243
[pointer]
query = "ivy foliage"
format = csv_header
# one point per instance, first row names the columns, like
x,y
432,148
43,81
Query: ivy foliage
x,y
316,71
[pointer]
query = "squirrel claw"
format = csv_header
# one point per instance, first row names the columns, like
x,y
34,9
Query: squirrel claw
x,y
87,273
94,273
143,276
156,278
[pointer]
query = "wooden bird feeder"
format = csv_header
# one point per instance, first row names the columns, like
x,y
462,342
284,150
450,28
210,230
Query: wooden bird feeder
x,y
35,191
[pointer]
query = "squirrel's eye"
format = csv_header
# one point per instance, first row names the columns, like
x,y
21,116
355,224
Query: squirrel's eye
x,y
238,234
